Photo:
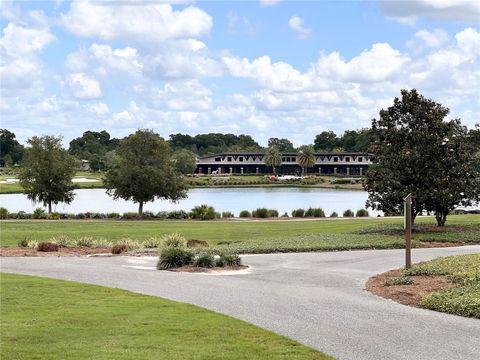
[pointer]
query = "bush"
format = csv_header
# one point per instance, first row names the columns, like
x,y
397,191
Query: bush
x,y
23,242
80,216
118,249
22,215
403,280
102,243
162,215
47,247
298,213
113,215
260,213
203,212
348,213
129,215
227,214
32,244
174,257
334,214
245,214
362,213
204,259
54,216
194,243
62,240
85,241
3,213
315,212
285,215
463,301
272,213
229,260
174,240
152,243
39,213
130,244
177,214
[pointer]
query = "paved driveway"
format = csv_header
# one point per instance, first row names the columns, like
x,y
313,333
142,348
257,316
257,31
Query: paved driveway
x,y
315,298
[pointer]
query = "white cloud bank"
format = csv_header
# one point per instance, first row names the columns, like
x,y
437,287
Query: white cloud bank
x,y
296,24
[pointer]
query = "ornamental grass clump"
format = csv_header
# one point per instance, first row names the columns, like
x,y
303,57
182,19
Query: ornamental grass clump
x,y
32,244
152,243
174,257
130,244
102,243
204,259
85,241
174,240
62,240
228,260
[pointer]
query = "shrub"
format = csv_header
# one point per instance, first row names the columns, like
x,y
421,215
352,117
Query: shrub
x,y
23,242
162,215
118,249
334,214
315,212
86,241
203,212
39,213
3,213
62,240
22,215
47,247
285,215
32,244
113,215
260,213
204,259
348,213
245,214
177,214
403,280
173,257
54,216
148,215
130,244
80,216
227,214
272,213
298,213
129,215
102,243
174,240
362,213
229,260
152,243
194,243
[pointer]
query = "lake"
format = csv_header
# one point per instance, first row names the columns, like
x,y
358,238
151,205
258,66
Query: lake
x,y
222,199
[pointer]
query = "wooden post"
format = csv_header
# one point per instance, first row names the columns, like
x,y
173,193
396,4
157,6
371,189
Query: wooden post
x,y
408,231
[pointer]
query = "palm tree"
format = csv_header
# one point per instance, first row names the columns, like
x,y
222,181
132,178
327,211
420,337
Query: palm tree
x,y
273,157
306,157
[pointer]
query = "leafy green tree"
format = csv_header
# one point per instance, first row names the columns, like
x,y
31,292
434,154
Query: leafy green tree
x,y
185,161
144,171
93,146
306,157
273,158
326,141
47,171
283,145
417,151
11,152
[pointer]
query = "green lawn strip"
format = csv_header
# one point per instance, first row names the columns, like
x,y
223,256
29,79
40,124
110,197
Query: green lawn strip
x,y
52,319
463,270
245,236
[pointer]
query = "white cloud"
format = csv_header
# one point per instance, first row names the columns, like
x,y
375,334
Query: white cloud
x,y
265,3
98,108
136,22
407,12
430,39
83,87
296,24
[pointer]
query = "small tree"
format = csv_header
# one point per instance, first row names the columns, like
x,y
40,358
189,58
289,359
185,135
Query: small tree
x,y
416,151
47,171
273,158
144,171
306,157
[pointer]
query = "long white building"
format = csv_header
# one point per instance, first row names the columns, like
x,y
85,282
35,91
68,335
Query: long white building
x,y
348,164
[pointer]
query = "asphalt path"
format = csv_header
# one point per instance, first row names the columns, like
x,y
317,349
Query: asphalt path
x,y
315,298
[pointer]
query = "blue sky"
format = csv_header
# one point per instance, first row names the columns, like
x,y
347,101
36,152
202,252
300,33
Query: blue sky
x,y
265,68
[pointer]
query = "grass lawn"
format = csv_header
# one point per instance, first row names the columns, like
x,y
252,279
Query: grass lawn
x,y
256,236
464,271
53,319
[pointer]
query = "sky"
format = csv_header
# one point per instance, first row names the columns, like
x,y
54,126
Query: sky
x,y
267,68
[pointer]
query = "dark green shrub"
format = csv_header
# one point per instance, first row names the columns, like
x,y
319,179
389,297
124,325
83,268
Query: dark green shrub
x,y
177,215
260,213
285,215
203,212
22,215
205,259
362,213
348,213
245,214
162,215
403,280
39,213
228,260
298,213
272,213
3,213
80,216
334,214
54,216
129,215
113,215
23,242
227,214
315,212
174,257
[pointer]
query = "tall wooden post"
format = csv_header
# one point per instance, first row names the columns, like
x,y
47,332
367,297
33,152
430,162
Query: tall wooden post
x,y
408,231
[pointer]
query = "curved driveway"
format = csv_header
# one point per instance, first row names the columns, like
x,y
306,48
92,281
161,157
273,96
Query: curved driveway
x,y
315,298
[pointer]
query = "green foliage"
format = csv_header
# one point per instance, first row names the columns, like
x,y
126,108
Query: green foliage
x,y
260,213
362,213
152,242
403,280
315,212
348,213
23,242
47,172
174,257
334,214
463,301
204,259
203,144
62,240
227,214
273,158
39,213
227,259
283,145
184,161
417,151
351,140
298,213
144,171
130,244
3,213
306,157
11,152
174,240
245,214
85,241
203,212
96,147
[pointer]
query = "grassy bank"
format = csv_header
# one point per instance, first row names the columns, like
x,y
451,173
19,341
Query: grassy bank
x,y
53,319
257,236
464,272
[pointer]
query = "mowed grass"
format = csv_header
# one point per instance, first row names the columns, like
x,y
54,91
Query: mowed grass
x,y
255,236
53,319
462,270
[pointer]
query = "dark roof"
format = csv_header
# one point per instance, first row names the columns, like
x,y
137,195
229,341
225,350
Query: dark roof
x,y
251,153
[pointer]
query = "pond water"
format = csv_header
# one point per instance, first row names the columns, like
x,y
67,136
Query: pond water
x,y
222,199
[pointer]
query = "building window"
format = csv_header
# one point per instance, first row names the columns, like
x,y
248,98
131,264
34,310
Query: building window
x,y
335,159
229,158
347,159
218,159
283,159
360,159
240,158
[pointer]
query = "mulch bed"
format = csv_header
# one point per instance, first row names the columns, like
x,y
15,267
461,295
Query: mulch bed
x,y
406,294
194,269
67,251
